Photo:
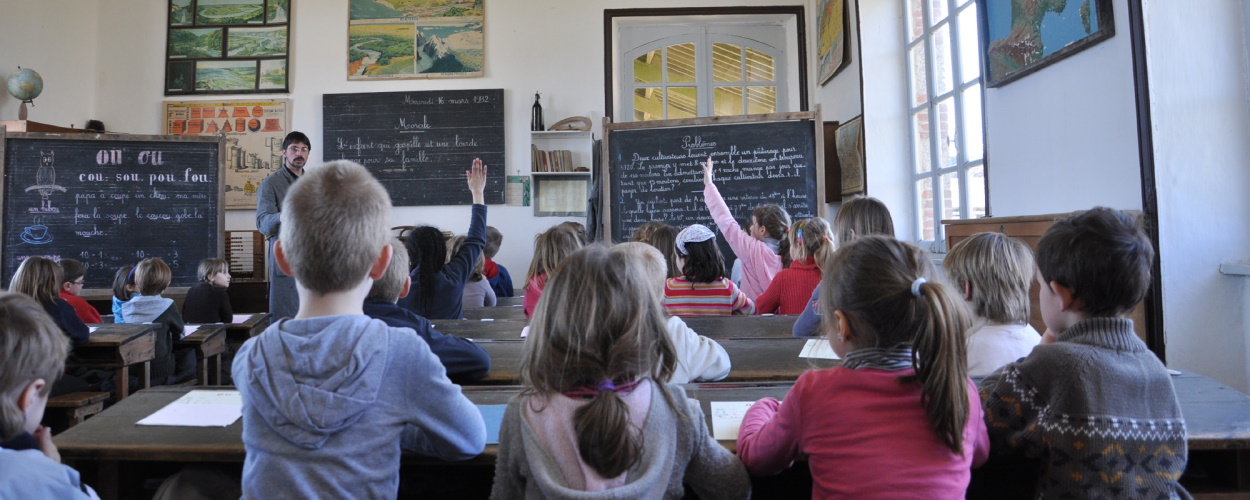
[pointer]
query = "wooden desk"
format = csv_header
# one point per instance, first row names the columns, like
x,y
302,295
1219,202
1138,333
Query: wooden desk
x,y
509,301
505,312
715,327
209,342
238,333
117,347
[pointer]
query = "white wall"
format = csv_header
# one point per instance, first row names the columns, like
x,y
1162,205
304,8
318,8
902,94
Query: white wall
x,y
886,150
839,98
1200,95
57,40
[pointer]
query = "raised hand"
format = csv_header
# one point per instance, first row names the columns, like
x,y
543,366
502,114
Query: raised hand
x,y
477,181
707,171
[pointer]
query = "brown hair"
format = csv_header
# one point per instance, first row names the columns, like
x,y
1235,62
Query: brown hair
x,y
71,270
776,221
123,278
578,229
862,216
37,277
389,286
494,239
551,247
649,261
152,276
209,267
999,269
31,347
871,281
599,319
811,238
663,237
1103,255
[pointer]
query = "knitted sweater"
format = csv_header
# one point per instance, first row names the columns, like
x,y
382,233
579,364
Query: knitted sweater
x,y
1097,409
790,290
683,297
759,261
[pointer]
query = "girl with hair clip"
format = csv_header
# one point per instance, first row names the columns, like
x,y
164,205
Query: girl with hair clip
x,y
811,244
901,401
595,418
550,248
702,289
762,248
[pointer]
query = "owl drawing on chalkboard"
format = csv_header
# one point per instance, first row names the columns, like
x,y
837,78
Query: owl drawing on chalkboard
x,y
45,181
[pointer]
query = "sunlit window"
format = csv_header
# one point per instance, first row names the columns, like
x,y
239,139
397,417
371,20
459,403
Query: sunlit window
x,y
690,76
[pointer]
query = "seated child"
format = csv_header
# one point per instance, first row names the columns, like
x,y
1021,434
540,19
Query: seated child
x,y
477,291
207,301
124,289
72,275
32,357
993,271
464,360
578,229
497,275
550,248
152,276
762,247
1096,408
330,395
664,238
702,289
698,357
37,278
859,216
811,244
900,418
595,418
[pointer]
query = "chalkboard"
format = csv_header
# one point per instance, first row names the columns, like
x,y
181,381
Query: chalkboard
x,y
110,200
418,144
655,169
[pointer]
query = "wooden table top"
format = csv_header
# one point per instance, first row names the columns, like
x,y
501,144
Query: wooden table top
x,y
207,340
497,312
238,333
116,345
715,327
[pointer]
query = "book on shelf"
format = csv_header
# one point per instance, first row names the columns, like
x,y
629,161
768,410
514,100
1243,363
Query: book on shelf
x,y
560,160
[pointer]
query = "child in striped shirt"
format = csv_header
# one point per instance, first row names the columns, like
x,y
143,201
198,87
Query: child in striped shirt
x,y
702,289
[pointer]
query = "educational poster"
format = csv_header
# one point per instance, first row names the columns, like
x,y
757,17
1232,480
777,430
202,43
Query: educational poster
x,y
831,51
253,128
404,39
227,47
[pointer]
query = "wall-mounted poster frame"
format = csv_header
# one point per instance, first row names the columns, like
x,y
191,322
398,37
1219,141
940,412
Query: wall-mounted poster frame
x,y
850,148
832,49
1016,42
253,130
228,47
394,40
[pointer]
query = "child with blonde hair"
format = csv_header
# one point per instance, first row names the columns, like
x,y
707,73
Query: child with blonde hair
x,y
702,289
550,248
207,301
152,277
39,278
993,271
811,244
903,400
762,248
595,418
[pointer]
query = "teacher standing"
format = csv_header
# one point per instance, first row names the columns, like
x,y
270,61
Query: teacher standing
x,y
283,301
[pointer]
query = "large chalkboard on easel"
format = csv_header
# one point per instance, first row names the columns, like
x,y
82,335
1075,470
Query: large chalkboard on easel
x,y
110,200
655,169
418,144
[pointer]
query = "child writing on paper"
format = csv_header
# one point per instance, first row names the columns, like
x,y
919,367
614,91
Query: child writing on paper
x,y
811,244
762,249
903,402
993,271
702,289
207,301
595,418
859,216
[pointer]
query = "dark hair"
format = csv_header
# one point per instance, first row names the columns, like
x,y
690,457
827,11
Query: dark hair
x,y
664,238
776,221
427,253
1103,255
704,263
71,270
124,276
578,229
494,239
871,281
296,137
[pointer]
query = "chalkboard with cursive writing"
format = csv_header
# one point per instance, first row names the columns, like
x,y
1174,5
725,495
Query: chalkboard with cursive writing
x,y
111,200
655,169
418,144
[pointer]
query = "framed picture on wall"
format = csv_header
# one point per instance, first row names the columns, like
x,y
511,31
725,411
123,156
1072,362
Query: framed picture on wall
x,y
407,39
832,50
1019,41
850,147
227,47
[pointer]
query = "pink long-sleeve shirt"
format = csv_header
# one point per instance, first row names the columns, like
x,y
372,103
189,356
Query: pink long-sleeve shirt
x,y
759,262
865,436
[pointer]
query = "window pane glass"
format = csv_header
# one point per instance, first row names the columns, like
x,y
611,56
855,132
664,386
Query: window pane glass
x,y
681,63
648,104
760,66
647,67
919,76
682,102
969,63
974,145
924,191
726,62
761,100
950,196
948,149
943,80
915,19
728,101
976,192
937,11
920,140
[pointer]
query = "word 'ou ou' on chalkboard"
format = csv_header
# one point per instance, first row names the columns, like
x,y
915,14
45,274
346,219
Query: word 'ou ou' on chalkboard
x,y
655,169
111,200
419,144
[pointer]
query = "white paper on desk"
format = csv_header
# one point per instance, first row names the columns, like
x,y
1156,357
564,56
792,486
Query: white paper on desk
x,y
727,418
818,348
240,318
199,409
92,329
189,329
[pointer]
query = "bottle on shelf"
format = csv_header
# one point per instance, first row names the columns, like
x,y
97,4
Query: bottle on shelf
x,y
536,116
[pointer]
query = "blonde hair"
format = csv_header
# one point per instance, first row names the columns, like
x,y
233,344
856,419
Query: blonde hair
x,y
37,277
551,247
811,238
862,216
152,276
209,267
664,238
31,347
1000,271
389,286
599,320
334,226
649,261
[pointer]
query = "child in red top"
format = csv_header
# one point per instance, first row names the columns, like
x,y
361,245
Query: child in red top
x,y
811,244
550,247
73,273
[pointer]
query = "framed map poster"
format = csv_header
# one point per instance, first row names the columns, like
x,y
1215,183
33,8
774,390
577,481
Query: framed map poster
x,y
227,47
1020,39
253,129
405,39
832,49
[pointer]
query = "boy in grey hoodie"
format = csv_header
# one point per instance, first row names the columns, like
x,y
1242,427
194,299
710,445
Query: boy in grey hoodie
x,y
329,395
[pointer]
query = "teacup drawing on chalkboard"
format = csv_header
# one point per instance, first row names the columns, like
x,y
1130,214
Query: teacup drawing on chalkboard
x,y
45,182
36,234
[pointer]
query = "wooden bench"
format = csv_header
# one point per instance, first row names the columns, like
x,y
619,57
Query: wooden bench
x,y
715,327
497,312
117,347
209,343
77,406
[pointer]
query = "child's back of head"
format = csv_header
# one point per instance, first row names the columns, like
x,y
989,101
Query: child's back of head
x,y
664,238
648,259
37,277
32,347
1103,256
152,276
704,262
494,239
550,248
862,216
391,285
811,238
124,283
998,270
775,221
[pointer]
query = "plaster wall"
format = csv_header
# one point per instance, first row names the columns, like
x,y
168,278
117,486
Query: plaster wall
x,y
57,40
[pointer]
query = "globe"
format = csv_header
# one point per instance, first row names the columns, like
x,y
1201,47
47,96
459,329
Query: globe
x,y
25,84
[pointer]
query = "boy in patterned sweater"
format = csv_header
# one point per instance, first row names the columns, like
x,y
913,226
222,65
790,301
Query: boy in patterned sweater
x,y
1096,408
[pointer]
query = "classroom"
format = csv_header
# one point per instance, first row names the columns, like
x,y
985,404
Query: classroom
x,y
1152,119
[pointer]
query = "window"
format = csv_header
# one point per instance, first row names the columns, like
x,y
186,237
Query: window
x,y
948,164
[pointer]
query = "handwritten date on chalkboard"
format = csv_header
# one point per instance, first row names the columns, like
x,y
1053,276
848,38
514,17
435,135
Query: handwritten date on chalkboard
x,y
111,201
418,144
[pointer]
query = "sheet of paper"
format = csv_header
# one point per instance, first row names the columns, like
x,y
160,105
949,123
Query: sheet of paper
x,y
727,418
241,318
525,332
91,329
199,409
493,415
189,329
818,348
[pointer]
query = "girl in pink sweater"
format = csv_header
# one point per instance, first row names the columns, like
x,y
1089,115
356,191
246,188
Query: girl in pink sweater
x,y
900,418
762,249
811,245
550,247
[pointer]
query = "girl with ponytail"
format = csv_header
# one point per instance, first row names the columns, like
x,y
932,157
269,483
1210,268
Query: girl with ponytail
x,y
902,400
596,418
811,244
